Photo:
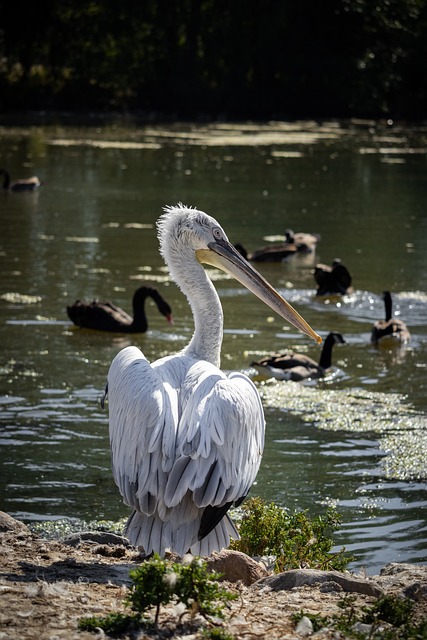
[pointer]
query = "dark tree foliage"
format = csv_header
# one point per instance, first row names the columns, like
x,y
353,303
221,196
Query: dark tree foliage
x,y
215,58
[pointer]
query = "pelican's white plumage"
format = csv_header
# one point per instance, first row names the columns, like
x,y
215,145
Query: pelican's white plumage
x,y
186,439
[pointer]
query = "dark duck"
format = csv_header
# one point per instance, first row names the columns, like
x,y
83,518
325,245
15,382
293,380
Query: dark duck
x,y
332,280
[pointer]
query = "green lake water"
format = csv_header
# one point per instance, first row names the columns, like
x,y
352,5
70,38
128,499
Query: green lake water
x,y
356,439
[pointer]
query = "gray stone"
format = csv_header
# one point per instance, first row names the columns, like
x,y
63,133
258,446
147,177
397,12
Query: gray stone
x,y
98,537
300,577
361,627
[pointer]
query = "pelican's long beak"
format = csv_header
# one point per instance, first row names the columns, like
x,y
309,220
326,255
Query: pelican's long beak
x,y
224,256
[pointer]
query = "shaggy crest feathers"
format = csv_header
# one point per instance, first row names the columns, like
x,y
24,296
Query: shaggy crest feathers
x,y
184,219
179,222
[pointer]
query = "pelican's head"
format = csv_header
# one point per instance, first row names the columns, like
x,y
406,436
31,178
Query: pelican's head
x,y
183,230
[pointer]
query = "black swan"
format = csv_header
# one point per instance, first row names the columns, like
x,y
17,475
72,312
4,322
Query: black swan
x,y
105,316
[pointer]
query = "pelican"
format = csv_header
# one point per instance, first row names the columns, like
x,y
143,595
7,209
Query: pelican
x,y
24,184
105,316
298,366
391,330
186,439
332,280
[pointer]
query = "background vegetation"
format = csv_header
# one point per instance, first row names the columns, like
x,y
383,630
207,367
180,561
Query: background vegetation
x,y
216,58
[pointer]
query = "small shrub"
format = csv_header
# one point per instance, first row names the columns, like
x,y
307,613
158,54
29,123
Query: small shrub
x,y
216,633
114,624
157,582
153,585
396,611
199,590
295,539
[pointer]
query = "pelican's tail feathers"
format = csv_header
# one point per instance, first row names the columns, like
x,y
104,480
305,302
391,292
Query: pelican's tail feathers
x,y
217,539
146,532
231,527
155,536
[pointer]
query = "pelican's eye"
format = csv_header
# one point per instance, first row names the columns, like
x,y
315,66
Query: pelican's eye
x,y
217,233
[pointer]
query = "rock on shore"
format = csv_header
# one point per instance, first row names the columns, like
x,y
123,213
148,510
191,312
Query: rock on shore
x,y
47,586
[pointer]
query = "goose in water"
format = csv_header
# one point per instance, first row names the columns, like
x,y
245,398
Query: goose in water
x,y
187,439
269,253
304,242
26,184
105,316
391,330
332,280
298,366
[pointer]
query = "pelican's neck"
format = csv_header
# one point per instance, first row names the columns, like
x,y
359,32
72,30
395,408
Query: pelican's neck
x,y
206,307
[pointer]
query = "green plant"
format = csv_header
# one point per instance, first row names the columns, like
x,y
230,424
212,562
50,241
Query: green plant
x,y
153,585
394,611
157,582
199,590
294,538
350,614
216,633
114,624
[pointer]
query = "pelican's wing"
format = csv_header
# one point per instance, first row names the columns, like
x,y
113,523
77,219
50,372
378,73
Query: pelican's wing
x,y
139,409
219,442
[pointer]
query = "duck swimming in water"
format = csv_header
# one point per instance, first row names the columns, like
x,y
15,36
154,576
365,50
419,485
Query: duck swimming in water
x,y
332,280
